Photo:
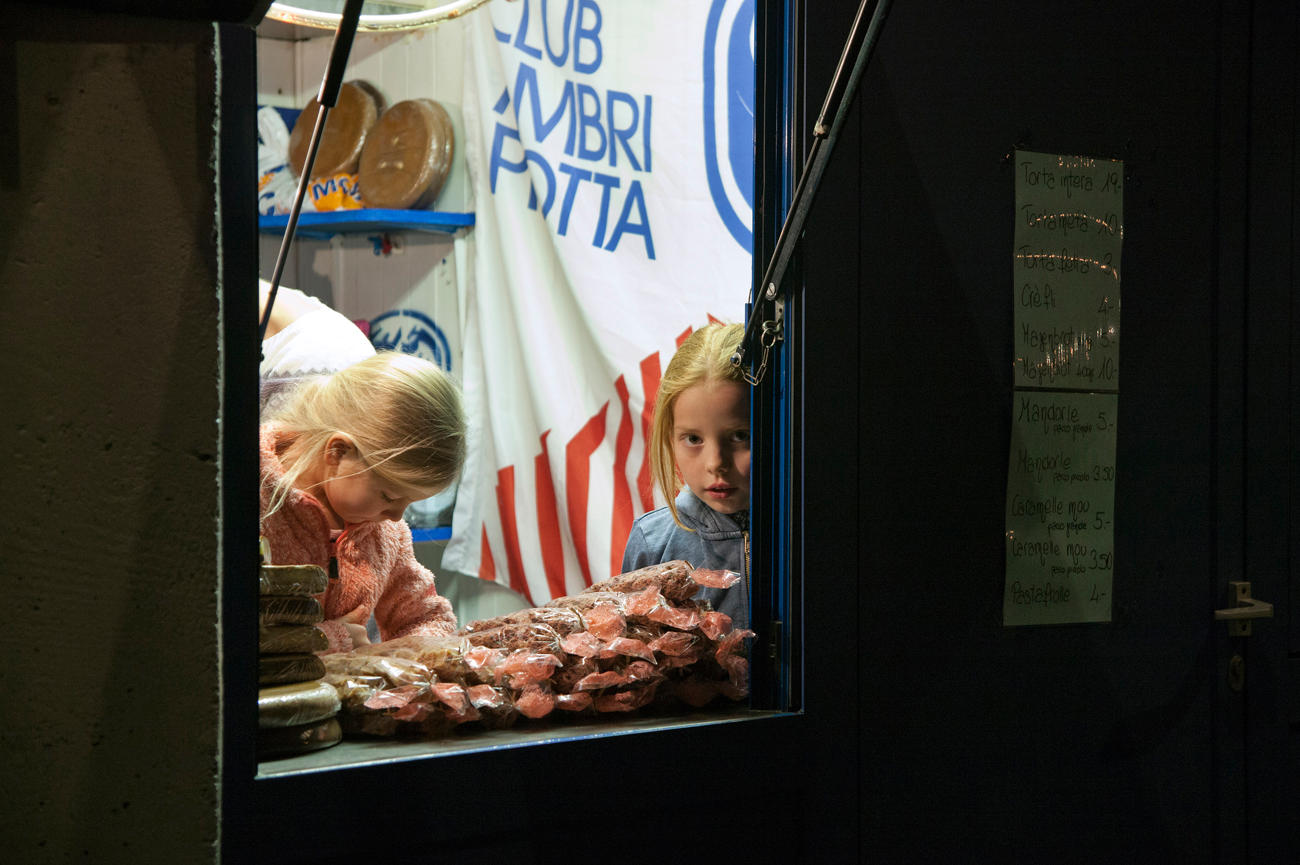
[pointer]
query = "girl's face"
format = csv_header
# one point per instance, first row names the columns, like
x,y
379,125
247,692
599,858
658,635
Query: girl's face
x,y
353,493
711,443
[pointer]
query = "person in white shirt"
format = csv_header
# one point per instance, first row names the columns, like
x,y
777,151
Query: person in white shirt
x,y
304,338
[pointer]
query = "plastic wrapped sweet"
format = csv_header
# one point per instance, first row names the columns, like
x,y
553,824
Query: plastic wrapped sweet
x,y
454,697
522,667
288,668
355,689
605,621
535,700
677,581
628,700
292,579
674,644
613,650
562,619
672,579
495,707
629,646
289,705
577,701
534,637
394,670
714,624
443,657
649,604
582,644
289,610
714,579
280,639
589,600
362,724
298,739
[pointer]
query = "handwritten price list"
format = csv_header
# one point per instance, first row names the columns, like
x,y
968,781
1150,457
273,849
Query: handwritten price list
x,y
1069,230
1060,508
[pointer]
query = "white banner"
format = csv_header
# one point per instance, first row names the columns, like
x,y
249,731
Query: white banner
x,y
610,146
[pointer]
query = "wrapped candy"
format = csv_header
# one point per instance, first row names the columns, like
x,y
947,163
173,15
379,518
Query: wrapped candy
x,y
630,642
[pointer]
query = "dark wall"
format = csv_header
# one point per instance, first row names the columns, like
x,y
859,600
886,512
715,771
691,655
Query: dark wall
x,y
111,283
1040,744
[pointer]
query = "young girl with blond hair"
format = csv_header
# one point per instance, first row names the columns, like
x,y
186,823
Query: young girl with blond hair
x,y
340,461
699,456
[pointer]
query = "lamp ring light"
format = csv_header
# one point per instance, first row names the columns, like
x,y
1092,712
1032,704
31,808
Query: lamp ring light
x,y
424,15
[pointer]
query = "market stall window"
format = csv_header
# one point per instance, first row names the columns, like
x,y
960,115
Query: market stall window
x,y
542,204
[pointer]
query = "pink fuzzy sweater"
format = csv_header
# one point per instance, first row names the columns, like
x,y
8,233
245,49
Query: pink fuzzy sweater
x,y
377,568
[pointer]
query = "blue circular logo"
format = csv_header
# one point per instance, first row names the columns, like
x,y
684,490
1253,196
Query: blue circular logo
x,y
412,332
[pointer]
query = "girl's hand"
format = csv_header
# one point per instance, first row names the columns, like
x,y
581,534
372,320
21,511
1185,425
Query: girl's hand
x,y
358,634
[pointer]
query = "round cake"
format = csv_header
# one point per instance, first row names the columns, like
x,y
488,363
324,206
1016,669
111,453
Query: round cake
x,y
407,156
298,739
346,128
292,580
300,703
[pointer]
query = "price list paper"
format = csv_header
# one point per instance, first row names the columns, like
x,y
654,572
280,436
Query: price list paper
x,y
1060,508
1066,271
1061,468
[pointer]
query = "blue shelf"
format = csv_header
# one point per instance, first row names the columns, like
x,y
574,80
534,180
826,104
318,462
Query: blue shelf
x,y
441,533
327,224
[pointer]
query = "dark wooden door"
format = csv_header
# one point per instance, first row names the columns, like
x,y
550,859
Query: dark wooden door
x,y
1267,709
1079,743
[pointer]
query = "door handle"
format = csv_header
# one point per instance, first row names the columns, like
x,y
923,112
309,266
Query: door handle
x,y
1244,610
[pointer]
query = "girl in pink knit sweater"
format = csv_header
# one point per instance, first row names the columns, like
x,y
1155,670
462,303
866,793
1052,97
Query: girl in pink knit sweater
x,y
341,461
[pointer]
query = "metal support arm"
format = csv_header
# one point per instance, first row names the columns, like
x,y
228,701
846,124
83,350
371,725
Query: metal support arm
x,y
857,50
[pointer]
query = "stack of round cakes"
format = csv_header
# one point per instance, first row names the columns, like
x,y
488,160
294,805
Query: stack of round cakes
x,y
296,709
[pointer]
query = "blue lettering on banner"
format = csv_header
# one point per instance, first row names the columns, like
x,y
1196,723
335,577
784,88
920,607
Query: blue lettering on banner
x,y
613,127
730,29
412,332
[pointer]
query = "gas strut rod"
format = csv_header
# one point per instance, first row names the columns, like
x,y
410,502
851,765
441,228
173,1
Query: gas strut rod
x,y
844,85
328,97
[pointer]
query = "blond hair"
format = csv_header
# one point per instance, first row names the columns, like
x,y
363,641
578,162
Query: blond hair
x,y
704,356
402,413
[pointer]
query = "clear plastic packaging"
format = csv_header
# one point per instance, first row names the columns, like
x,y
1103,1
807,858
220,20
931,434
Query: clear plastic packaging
x,y
607,651
563,620
289,610
629,646
674,643
289,668
533,637
536,700
714,624
392,670
443,657
714,579
281,639
292,580
354,690
522,667
290,705
672,579
298,739
605,622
